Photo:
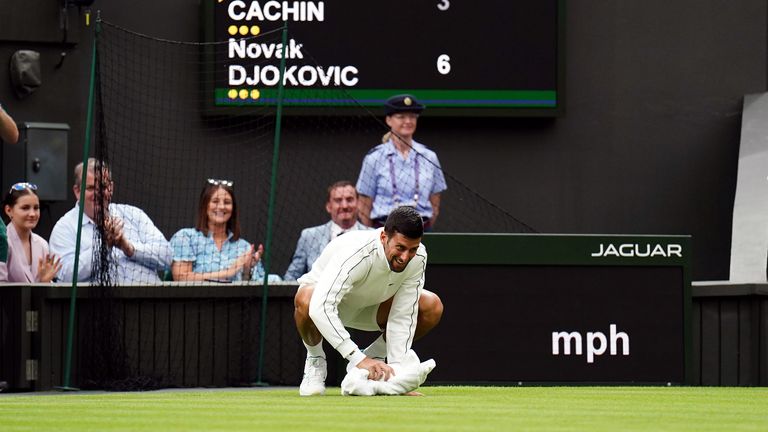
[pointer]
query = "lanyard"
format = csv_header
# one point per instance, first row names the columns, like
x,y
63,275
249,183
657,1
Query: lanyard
x,y
395,196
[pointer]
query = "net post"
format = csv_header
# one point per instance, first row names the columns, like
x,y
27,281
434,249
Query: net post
x,y
271,207
81,202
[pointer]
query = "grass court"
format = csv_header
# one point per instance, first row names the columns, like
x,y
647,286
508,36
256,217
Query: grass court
x,y
441,409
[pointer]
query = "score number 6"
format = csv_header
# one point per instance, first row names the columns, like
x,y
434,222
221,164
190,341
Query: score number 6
x,y
443,61
444,64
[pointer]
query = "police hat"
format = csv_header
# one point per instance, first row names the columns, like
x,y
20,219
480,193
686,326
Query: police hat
x,y
402,103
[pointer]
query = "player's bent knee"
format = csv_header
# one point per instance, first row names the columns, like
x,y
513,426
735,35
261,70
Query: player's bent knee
x,y
302,298
430,308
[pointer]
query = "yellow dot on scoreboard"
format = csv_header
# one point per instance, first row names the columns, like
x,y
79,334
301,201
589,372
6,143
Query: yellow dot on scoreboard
x,y
232,93
255,94
244,30
243,94
232,30
255,30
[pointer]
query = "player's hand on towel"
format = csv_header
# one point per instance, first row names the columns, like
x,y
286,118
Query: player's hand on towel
x,y
377,369
411,373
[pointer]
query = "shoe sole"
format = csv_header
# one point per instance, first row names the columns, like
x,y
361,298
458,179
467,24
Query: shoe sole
x,y
322,393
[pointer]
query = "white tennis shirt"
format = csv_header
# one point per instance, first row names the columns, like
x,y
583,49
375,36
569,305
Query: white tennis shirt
x,y
352,274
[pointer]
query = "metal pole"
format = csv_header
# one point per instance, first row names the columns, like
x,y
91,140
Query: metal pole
x,y
271,207
81,203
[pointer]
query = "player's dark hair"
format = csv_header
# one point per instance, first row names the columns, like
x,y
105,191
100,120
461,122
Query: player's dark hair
x,y
406,221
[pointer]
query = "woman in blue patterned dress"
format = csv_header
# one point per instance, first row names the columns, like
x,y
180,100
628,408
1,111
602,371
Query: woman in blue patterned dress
x,y
214,250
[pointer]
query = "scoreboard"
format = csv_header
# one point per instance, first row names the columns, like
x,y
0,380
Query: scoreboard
x,y
489,57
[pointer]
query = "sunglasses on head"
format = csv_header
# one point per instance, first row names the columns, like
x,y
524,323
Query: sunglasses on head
x,y
23,185
217,182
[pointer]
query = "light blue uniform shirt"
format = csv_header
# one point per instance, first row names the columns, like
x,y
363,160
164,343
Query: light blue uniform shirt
x,y
384,171
189,244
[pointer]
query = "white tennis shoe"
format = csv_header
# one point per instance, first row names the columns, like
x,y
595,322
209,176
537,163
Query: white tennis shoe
x,y
315,372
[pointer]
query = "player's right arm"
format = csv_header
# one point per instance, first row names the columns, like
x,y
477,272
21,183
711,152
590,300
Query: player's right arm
x,y
337,278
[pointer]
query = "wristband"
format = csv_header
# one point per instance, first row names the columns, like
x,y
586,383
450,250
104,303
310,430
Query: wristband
x,y
355,357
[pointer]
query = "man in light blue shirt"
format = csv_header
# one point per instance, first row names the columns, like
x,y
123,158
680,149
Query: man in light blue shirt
x,y
342,206
138,250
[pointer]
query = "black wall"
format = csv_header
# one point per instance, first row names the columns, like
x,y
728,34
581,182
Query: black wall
x,y
648,143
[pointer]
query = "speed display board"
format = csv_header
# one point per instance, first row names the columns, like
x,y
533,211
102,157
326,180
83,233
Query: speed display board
x,y
495,57
549,308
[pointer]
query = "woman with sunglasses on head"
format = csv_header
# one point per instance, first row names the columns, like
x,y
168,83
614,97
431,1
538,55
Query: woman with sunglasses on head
x,y
213,249
28,257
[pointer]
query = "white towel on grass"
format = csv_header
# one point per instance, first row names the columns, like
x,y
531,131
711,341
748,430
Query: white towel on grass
x,y
409,375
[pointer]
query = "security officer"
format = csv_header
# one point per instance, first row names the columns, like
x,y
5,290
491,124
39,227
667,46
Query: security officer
x,y
400,171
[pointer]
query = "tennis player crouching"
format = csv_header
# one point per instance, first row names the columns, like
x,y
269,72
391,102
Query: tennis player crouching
x,y
368,280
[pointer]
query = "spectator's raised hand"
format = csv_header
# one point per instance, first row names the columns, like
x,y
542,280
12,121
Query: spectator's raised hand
x,y
47,267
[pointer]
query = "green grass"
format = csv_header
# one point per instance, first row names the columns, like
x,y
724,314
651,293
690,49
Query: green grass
x,y
443,408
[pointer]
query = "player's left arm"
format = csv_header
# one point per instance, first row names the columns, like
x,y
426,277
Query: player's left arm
x,y
403,316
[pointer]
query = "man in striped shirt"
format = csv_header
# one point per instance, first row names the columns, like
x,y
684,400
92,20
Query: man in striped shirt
x,y
367,280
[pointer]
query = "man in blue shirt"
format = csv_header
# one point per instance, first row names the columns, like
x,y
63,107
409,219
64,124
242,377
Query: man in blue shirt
x,y
138,250
342,206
